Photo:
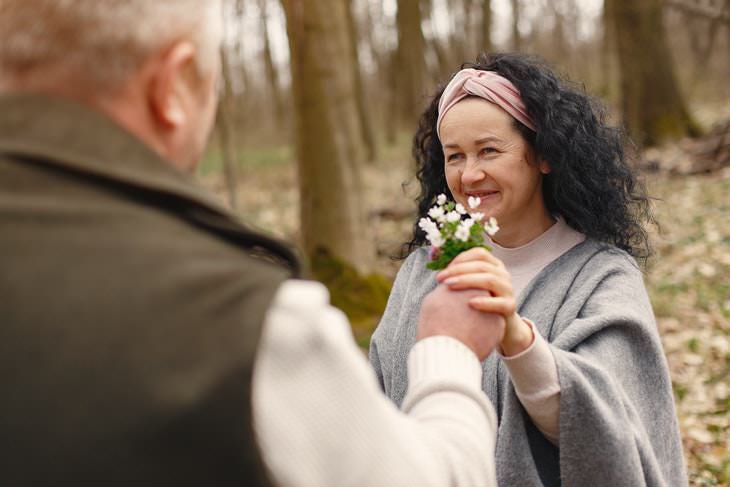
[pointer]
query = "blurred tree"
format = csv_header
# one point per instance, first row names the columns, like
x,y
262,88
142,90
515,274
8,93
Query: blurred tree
x,y
703,26
225,130
328,137
363,112
461,41
560,34
609,66
272,75
486,30
410,64
516,37
384,79
226,112
652,105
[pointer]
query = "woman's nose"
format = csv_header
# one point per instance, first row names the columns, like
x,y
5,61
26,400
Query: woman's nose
x,y
472,173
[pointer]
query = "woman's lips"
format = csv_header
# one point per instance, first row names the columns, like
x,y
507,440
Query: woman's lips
x,y
483,195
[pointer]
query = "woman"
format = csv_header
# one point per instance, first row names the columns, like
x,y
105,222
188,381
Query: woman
x,y
581,385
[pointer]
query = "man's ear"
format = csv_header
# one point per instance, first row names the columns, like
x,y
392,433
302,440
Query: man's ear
x,y
170,85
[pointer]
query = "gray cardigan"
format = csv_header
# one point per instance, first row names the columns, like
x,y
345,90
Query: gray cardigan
x,y
618,425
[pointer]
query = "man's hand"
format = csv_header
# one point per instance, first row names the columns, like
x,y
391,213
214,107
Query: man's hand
x,y
446,312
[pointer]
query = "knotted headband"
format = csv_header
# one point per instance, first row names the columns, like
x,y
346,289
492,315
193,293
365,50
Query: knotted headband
x,y
487,85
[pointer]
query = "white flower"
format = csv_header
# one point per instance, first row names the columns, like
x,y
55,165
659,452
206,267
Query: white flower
x,y
474,202
462,233
441,199
468,223
478,216
435,238
491,227
427,225
433,234
437,213
460,209
452,217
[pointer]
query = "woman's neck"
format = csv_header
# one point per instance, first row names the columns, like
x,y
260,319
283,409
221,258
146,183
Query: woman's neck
x,y
519,233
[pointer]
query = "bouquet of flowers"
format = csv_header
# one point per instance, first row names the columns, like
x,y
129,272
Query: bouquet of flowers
x,y
451,229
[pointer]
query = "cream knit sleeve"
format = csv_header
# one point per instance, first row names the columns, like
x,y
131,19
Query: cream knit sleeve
x,y
321,419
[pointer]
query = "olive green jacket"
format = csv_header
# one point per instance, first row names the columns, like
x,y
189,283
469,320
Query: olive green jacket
x,y
131,304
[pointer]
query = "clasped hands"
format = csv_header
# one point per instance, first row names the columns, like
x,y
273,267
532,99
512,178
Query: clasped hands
x,y
475,303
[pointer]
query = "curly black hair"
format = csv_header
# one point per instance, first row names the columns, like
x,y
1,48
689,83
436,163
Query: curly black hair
x,y
592,184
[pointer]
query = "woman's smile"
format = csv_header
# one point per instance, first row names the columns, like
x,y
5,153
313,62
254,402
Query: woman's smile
x,y
483,194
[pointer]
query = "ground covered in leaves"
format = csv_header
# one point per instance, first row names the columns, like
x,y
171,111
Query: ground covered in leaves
x,y
689,284
688,278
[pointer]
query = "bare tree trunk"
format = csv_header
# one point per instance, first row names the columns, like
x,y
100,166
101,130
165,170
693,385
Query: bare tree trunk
x,y
698,29
462,38
609,64
652,104
410,63
392,112
445,63
373,45
486,30
225,130
241,104
382,58
329,146
362,109
516,37
272,74
559,31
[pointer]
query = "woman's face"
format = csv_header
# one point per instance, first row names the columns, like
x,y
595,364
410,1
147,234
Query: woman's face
x,y
485,156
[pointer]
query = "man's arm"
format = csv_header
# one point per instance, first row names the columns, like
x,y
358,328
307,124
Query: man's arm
x,y
321,419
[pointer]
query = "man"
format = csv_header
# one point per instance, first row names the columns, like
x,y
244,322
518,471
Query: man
x,y
134,306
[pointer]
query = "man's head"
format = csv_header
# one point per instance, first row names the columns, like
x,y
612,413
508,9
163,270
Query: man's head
x,y
152,66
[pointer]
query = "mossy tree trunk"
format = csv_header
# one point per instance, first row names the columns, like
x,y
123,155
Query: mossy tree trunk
x,y
652,104
410,63
328,137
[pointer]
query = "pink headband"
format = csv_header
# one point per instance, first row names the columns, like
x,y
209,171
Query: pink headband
x,y
484,84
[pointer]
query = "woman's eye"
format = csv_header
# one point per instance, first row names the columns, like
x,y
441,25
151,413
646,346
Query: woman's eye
x,y
453,157
488,150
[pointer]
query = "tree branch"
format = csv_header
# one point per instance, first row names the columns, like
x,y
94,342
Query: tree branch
x,y
696,9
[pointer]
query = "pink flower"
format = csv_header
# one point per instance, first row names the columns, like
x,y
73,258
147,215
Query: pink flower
x,y
434,253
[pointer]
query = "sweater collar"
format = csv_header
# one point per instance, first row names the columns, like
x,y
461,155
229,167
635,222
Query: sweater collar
x,y
61,133
64,133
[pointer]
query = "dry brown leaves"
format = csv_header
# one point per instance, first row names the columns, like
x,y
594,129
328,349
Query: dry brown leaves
x,y
689,282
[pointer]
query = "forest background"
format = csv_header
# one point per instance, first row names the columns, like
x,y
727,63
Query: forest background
x,y
319,104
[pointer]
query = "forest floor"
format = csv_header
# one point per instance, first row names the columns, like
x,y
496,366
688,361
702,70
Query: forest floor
x,y
688,278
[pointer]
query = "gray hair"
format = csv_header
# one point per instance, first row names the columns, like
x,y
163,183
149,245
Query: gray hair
x,y
101,41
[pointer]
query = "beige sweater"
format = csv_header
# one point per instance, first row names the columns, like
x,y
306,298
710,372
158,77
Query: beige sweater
x,y
533,371
322,420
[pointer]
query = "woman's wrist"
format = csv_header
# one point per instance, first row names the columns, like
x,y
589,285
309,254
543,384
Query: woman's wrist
x,y
518,336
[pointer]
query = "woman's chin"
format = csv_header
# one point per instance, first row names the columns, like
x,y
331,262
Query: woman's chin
x,y
490,211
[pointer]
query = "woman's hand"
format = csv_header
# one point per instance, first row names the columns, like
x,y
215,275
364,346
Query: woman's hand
x,y
477,268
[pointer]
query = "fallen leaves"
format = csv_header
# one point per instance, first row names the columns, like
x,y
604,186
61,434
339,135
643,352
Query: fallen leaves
x,y
689,282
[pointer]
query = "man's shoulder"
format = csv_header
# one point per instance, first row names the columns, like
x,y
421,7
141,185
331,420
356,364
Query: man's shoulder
x,y
79,213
